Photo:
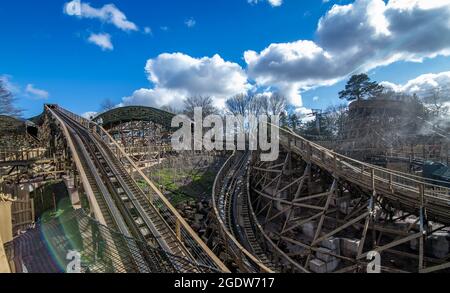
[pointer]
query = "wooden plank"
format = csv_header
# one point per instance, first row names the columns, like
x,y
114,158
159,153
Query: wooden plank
x,y
352,222
435,268
394,244
4,266
6,221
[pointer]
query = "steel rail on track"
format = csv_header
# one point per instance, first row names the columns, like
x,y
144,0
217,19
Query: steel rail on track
x,y
174,228
131,223
181,250
241,214
96,207
241,254
117,213
409,191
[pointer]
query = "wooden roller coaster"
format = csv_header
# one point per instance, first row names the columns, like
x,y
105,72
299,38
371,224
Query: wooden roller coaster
x,y
315,210
117,201
312,210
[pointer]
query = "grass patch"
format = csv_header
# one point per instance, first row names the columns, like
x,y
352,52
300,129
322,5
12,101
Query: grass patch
x,y
184,185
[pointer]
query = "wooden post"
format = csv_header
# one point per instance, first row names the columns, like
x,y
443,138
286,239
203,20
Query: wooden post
x,y
390,182
373,179
178,230
309,152
54,201
33,214
4,266
422,226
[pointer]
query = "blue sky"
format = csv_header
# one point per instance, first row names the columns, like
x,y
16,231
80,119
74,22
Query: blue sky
x,y
47,58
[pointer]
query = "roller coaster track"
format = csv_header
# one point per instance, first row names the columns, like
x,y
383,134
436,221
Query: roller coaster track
x,y
236,225
118,202
380,191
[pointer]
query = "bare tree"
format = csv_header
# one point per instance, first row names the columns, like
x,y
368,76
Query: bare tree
x,y
7,101
244,104
336,119
435,103
277,104
239,104
206,103
259,104
171,109
107,105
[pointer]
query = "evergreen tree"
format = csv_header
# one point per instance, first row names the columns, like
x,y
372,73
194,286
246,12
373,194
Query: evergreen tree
x,y
360,87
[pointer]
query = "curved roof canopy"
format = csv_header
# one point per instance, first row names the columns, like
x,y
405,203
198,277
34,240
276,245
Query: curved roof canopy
x,y
135,113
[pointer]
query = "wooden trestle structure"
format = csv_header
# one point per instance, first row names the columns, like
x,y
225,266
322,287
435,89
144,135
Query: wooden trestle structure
x,y
314,210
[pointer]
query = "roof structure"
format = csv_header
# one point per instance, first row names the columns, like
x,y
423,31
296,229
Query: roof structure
x,y
10,124
135,113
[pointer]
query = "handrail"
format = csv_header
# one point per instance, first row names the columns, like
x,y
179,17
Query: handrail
x,y
12,155
398,174
87,188
401,188
181,227
224,230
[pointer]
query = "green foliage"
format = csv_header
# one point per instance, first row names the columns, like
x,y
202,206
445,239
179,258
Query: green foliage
x,y
183,185
320,127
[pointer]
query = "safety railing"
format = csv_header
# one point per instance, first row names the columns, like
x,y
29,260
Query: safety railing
x,y
14,155
407,189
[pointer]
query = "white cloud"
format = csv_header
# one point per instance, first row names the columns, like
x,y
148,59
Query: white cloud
x,y
177,76
109,13
316,98
273,3
351,38
423,85
354,38
9,85
191,22
29,91
102,40
38,93
156,97
148,30
305,114
276,2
